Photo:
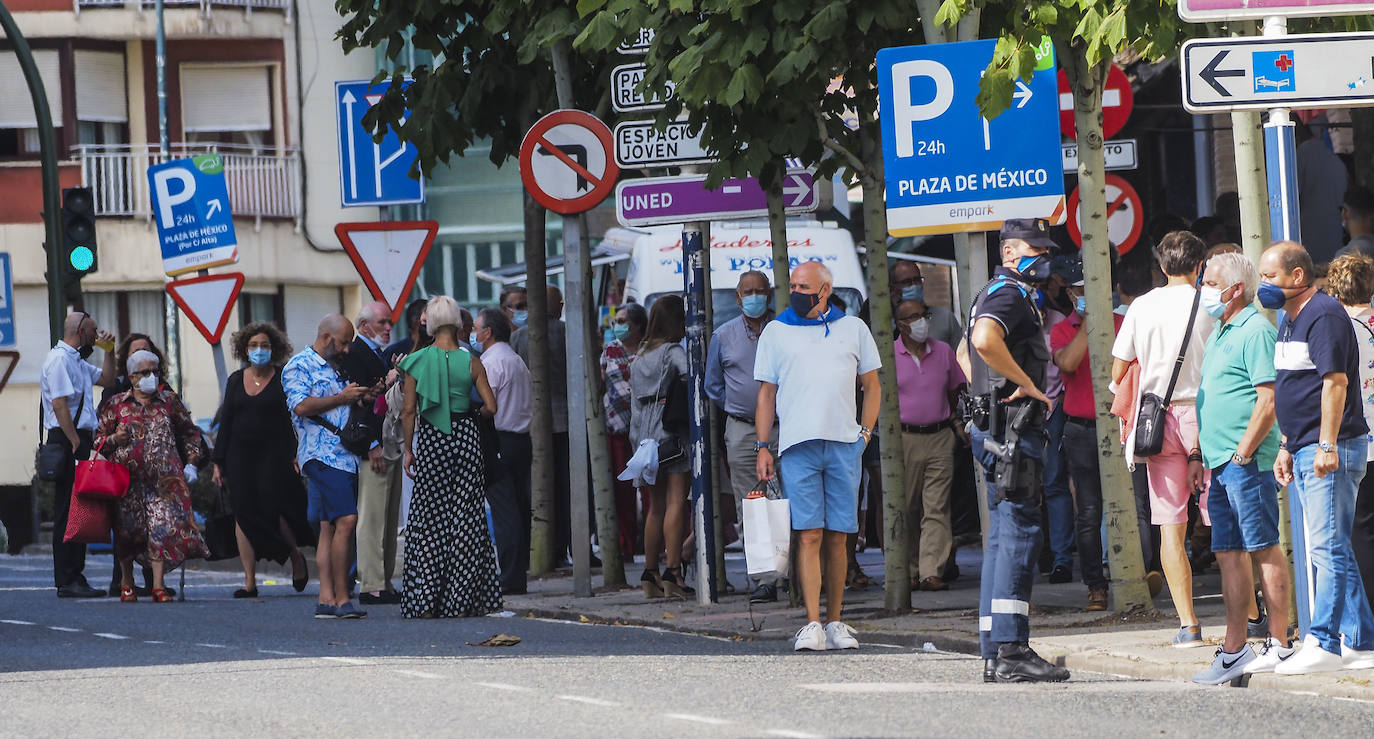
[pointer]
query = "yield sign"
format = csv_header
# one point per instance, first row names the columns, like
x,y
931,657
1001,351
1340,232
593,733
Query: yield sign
x,y
388,256
207,301
1125,215
567,161
1117,101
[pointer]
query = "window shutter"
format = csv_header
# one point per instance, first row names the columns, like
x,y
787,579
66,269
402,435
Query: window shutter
x,y
18,109
226,98
101,94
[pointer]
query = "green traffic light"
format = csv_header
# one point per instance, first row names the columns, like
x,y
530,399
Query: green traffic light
x,y
82,258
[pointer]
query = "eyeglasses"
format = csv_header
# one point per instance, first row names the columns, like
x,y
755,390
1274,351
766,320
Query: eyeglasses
x,y
909,319
142,373
917,280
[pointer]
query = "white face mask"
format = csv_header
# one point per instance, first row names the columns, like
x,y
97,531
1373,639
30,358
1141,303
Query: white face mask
x,y
919,330
148,384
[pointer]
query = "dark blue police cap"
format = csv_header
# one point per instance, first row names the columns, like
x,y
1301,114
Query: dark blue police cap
x,y
1033,231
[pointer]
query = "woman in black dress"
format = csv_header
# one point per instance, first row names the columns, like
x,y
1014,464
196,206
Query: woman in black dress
x,y
255,457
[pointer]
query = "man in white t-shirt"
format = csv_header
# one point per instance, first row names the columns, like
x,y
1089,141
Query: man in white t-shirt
x,y
807,364
1152,334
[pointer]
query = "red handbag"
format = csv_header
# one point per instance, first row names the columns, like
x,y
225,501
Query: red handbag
x,y
100,479
88,521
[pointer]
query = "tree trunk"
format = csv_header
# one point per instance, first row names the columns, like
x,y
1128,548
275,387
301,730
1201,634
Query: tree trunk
x,y
541,424
896,574
1251,185
1129,589
777,231
598,447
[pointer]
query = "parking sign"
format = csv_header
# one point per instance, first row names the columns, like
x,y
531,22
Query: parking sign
x,y
191,207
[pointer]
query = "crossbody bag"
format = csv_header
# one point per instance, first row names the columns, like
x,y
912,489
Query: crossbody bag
x,y
52,455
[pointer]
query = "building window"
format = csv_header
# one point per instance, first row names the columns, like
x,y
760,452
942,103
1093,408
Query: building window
x,y
125,312
18,123
227,104
102,105
255,307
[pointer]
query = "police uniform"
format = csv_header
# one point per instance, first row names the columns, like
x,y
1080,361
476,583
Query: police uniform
x,y
1014,517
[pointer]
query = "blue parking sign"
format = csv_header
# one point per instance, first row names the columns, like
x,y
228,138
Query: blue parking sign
x,y
370,172
195,227
946,168
7,339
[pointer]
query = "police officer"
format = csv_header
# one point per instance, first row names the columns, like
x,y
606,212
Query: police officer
x,y
1009,362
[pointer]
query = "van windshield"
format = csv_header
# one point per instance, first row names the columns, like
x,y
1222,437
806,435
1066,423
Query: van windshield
x,y
726,309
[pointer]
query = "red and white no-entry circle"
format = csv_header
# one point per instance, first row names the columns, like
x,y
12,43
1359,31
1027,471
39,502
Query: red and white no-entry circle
x,y
1125,215
566,161
1117,101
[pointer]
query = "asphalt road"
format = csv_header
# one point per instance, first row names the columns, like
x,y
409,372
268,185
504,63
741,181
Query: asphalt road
x,y
215,666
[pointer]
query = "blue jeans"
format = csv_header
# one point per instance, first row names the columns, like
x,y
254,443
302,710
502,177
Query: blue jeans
x,y
1338,603
1059,517
1013,544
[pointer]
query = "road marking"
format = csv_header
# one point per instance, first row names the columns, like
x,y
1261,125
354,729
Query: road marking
x,y
213,646
153,641
112,636
22,589
418,673
277,651
16,622
792,734
346,660
506,686
67,629
589,701
698,719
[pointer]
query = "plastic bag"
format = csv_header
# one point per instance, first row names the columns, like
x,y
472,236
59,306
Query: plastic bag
x,y
643,466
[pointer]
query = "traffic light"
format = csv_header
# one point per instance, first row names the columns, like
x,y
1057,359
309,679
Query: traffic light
x,y
78,233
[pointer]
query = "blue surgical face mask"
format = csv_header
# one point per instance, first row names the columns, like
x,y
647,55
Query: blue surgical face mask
x,y
914,292
620,331
520,318
259,357
754,305
1082,305
1272,296
472,339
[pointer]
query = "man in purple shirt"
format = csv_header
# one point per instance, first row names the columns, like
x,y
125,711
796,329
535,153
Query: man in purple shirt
x,y
928,382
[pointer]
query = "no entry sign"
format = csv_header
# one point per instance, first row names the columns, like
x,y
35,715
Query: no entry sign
x,y
1125,215
1117,101
566,161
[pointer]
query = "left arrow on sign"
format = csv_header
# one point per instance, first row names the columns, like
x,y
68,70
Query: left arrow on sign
x,y
1210,73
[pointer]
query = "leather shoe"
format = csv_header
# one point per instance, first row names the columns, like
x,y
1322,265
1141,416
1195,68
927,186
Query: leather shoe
x,y
989,670
934,583
766,592
1061,574
384,598
80,590
1018,663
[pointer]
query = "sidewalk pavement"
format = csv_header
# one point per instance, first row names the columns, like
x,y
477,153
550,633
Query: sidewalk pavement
x,y
1135,645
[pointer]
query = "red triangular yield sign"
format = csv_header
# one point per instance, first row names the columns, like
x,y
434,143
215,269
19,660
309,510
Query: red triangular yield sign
x,y
388,256
207,301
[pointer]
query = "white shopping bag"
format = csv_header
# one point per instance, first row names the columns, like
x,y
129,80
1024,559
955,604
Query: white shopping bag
x,y
767,535
643,465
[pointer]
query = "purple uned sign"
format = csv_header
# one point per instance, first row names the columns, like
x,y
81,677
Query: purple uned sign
x,y
659,200
1216,10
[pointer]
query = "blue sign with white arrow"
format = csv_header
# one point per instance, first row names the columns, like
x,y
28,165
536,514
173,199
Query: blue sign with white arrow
x,y
7,338
191,207
948,169
372,173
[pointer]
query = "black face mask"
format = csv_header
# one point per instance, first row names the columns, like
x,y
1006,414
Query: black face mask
x,y
422,337
1034,269
804,303
85,351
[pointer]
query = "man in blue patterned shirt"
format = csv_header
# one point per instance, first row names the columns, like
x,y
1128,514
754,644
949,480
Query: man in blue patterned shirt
x,y
315,392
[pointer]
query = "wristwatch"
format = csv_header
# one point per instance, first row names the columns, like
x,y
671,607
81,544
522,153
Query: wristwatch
x,y
1326,446
760,446
1242,461
865,432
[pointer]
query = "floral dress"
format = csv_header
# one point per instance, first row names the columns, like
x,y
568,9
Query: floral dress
x,y
154,521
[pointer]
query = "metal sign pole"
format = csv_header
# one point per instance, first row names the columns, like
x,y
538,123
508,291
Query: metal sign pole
x,y
699,431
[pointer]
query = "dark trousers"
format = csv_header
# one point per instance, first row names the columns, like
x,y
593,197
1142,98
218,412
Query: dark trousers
x,y
508,494
562,500
1362,533
1014,538
626,513
1080,452
68,560
1149,533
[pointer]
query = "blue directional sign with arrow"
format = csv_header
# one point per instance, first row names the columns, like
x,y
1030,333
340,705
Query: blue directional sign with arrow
x,y
191,209
372,172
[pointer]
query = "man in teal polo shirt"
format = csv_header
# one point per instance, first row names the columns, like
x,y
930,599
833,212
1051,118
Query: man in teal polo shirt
x,y
1239,440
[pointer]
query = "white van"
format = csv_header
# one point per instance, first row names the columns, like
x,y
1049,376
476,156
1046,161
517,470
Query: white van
x,y
656,260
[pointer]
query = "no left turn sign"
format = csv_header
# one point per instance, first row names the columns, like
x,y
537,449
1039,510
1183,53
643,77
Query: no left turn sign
x,y
1125,215
566,161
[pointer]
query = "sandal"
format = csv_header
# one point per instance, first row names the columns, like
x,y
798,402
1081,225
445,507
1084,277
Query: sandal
x,y
674,586
652,584
127,595
160,595
857,579
246,593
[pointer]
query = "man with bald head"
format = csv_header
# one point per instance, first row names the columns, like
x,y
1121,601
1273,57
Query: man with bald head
x,y
379,480
807,364
1322,455
320,400
67,388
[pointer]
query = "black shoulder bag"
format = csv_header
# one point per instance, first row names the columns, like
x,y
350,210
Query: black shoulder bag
x,y
355,436
53,455
1149,419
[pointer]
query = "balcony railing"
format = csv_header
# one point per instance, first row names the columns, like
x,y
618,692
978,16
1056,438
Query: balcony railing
x,y
205,6
263,182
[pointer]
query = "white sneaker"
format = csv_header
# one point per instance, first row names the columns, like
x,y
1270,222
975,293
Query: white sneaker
x,y
1226,667
839,636
1272,654
1357,659
810,637
1311,658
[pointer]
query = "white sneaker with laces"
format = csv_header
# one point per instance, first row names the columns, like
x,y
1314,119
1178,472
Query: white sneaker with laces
x,y
838,635
1272,654
1311,658
1357,659
1226,667
810,637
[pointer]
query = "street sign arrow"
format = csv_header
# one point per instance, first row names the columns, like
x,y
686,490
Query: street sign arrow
x,y
797,188
1210,73
1022,95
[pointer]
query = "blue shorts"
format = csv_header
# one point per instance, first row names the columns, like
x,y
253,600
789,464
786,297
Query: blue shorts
x,y
331,493
1244,507
821,481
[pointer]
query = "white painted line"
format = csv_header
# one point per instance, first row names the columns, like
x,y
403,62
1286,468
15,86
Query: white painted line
x,y
23,589
153,641
67,629
111,636
506,686
792,734
213,646
588,701
887,646
277,651
698,719
418,673
16,622
346,660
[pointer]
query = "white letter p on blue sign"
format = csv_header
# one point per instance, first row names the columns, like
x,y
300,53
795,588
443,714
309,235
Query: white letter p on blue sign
x,y
906,112
165,199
